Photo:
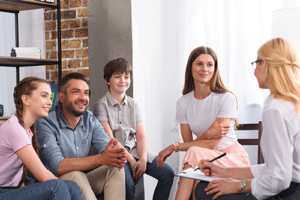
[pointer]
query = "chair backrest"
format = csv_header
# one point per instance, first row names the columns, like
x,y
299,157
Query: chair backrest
x,y
251,113
251,141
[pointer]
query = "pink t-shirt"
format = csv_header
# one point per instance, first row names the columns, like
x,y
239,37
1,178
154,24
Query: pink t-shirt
x,y
12,138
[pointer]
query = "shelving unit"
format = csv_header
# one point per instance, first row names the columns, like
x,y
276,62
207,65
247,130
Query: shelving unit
x,y
15,6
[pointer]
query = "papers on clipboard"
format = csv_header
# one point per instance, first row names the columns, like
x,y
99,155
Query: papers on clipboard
x,y
196,174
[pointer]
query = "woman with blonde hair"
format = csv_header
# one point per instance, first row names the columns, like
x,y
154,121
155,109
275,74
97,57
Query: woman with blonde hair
x,y
208,110
18,148
277,69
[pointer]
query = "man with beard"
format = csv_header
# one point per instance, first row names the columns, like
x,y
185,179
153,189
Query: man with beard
x,y
65,138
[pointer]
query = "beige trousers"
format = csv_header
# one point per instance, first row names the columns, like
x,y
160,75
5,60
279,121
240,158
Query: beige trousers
x,y
102,179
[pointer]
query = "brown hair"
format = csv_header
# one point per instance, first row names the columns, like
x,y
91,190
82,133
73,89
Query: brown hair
x,y
117,65
216,84
25,87
63,84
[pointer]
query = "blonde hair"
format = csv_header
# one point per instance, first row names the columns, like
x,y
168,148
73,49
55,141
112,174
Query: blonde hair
x,y
282,70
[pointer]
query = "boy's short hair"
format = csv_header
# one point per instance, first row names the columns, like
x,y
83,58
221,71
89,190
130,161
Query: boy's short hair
x,y
117,65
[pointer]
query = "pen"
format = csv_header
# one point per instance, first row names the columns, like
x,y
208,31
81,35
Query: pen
x,y
216,158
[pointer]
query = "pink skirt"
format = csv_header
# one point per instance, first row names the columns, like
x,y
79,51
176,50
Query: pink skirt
x,y
236,156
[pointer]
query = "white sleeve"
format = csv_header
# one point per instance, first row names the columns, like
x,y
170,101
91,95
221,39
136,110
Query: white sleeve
x,y
228,108
277,150
181,116
258,170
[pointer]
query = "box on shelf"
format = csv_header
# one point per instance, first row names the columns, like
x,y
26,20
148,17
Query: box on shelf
x,y
26,52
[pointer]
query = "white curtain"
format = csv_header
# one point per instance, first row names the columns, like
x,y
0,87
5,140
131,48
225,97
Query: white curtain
x,y
165,32
31,34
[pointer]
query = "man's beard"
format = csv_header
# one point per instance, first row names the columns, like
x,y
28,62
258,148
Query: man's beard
x,y
70,108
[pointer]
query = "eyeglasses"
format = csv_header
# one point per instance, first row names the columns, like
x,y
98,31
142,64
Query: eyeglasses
x,y
254,63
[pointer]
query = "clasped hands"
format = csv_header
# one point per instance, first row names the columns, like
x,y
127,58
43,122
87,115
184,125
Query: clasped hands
x,y
117,157
112,156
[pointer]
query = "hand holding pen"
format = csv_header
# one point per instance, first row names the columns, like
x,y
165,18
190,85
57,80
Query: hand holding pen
x,y
212,169
216,158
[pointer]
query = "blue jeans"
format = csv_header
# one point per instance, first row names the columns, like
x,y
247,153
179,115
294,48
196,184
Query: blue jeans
x,y
52,189
164,175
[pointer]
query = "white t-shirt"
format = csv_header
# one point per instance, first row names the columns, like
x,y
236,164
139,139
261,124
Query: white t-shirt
x,y
280,145
200,114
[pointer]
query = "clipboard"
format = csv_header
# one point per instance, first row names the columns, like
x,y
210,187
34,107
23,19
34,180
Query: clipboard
x,y
197,175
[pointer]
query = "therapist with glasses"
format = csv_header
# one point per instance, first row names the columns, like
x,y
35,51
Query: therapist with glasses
x,y
279,177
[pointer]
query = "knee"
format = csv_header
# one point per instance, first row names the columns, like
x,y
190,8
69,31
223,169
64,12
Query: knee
x,y
193,150
113,172
170,176
71,185
57,184
187,166
168,173
77,176
73,188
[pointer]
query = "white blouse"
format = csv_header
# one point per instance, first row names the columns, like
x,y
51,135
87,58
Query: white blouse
x,y
280,144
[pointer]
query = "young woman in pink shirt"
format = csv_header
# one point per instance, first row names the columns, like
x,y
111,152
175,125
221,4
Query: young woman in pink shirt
x,y
18,148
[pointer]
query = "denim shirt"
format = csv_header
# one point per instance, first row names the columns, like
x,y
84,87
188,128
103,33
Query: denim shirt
x,y
57,140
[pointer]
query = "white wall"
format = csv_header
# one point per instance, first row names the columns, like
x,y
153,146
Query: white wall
x,y
157,76
31,29
110,37
165,32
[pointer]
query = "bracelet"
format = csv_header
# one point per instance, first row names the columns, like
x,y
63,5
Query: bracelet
x,y
175,146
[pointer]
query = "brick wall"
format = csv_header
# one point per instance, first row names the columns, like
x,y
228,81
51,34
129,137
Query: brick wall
x,y
74,39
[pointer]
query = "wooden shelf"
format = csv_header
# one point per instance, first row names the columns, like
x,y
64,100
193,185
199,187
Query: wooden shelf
x,y
20,5
18,61
14,6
